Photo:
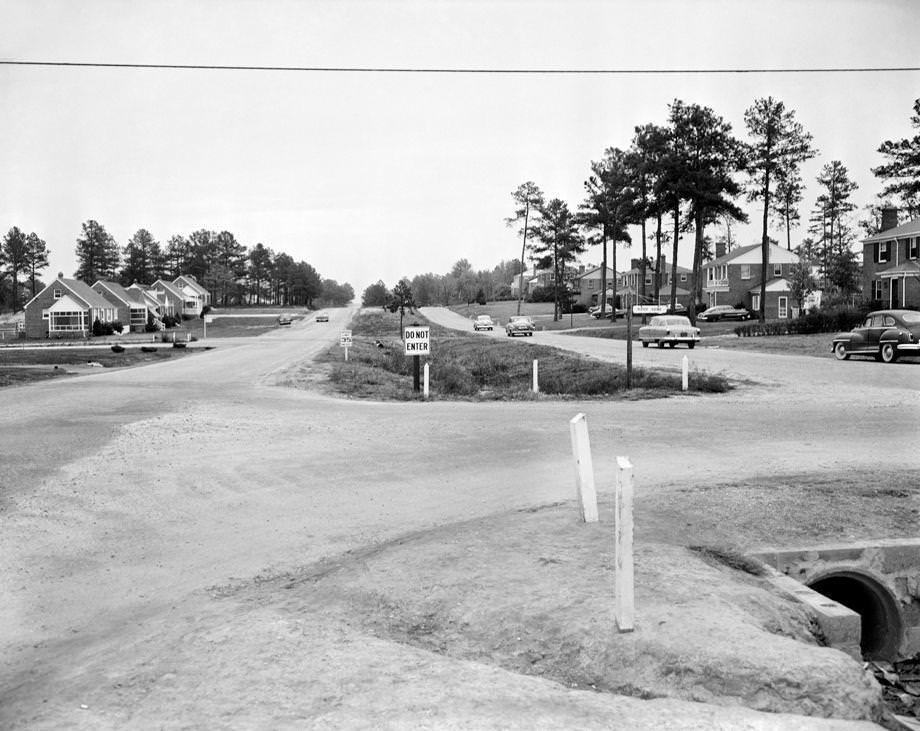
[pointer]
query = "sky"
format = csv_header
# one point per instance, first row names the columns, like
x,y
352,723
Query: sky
x,y
378,175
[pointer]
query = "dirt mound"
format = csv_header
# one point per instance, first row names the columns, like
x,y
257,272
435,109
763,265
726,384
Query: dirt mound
x,y
531,592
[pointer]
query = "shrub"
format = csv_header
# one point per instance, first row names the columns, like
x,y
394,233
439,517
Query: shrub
x,y
117,325
151,326
575,307
813,321
98,330
205,310
541,294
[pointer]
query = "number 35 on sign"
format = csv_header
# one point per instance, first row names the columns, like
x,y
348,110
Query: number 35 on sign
x,y
417,340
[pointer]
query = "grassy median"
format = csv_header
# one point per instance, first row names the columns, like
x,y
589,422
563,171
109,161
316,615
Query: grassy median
x,y
468,366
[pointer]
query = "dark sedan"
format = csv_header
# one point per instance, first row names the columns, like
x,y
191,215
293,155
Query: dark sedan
x,y
885,335
724,312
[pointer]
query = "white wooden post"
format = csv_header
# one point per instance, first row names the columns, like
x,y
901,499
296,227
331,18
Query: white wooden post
x,y
625,609
685,373
584,469
536,377
346,355
425,391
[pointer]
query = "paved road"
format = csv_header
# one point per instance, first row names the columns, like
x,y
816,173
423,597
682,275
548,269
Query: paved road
x,y
125,494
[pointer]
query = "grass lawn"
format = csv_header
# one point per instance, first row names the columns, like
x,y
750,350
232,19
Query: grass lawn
x,y
18,365
468,367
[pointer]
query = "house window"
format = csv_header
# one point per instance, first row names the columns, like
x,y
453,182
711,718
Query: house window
x,y
783,307
745,271
648,278
58,293
912,246
882,252
683,277
591,284
777,270
876,289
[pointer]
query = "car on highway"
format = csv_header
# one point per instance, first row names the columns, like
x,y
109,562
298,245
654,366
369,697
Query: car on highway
x,y
285,319
483,322
669,330
886,335
724,312
519,325
321,317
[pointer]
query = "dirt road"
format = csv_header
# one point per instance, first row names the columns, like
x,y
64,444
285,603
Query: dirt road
x,y
130,498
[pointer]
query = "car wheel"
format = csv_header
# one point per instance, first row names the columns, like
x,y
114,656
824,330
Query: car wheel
x,y
889,353
690,345
840,351
671,344
645,343
659,343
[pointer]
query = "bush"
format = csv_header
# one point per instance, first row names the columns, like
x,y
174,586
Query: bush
x,y
576,307
98,330
151,326
117,325
205,310
814,321
541,294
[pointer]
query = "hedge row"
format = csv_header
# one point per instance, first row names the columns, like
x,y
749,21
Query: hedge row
x,y
815,321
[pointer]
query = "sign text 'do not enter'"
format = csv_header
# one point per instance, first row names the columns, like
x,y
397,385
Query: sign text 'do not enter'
x,y
417,340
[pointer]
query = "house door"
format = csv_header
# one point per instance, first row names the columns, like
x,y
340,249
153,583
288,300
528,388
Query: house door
x,y
783,308
895,293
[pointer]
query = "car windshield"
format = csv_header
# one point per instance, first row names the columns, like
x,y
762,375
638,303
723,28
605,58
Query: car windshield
x,y
911,318
680,321
520,318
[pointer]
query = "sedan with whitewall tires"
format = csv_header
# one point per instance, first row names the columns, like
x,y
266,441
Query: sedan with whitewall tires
x,y
885,335
669,330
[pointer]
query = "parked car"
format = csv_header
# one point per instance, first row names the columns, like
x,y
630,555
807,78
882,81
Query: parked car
x,y
884,334
724,312
519,325
616,313
285,319
678,309
483,322
669,330
322,317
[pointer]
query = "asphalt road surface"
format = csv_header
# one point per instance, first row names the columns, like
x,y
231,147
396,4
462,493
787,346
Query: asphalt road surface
x,y
125,494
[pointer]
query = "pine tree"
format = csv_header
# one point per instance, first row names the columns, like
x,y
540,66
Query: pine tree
x,y
36,259
97,254
902,171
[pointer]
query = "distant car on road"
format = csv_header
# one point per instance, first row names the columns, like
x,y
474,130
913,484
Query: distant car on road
x,y
322,317
519,325
483,322
285,319
724,312
669,330
884,334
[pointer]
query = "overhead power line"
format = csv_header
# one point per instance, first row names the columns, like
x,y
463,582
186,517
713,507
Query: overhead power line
x,y
460,70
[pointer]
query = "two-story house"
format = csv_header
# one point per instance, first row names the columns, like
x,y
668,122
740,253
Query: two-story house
x,y
588,285
629,284
891,263
734,279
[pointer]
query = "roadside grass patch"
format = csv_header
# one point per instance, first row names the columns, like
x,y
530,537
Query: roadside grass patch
x,y
473,367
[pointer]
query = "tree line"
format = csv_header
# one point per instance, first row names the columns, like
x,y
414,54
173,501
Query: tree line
x,y
232,273
689,173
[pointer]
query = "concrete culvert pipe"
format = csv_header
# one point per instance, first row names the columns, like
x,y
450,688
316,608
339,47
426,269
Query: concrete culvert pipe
x,y
882,625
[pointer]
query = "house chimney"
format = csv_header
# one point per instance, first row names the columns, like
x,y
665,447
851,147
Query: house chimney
x,y
60,275
720,249
889,218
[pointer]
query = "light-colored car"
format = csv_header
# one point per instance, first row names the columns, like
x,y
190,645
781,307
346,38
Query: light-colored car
x,y
322,317
724,312
669,330
285,319
483,322
519,325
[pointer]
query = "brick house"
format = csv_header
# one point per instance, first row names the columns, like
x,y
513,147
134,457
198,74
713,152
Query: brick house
x,y
588,286
130,309
148,298
66,308
629,284
891,263
734,279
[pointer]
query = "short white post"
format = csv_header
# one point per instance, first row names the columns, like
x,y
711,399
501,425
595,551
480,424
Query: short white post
x,y
536,377
584,469
346,355
425,387
204,324
685,373
625,609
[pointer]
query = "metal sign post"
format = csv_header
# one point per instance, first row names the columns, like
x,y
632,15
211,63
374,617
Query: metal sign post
x,y
417,341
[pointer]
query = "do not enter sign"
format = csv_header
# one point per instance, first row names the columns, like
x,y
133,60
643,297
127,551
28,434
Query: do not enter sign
x,y
417,340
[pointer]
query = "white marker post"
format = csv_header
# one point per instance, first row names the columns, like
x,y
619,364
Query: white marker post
x,y
625,609
584,469
425,385
536,376
685,373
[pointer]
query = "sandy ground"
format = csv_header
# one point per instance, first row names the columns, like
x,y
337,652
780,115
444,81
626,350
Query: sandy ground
x,y
157,522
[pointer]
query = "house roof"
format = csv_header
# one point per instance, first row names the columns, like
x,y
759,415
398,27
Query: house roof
x,y
665,270
904,269
751,255
116,289
911,228
189,281
778,284
592,270
167,287
143,296
81,290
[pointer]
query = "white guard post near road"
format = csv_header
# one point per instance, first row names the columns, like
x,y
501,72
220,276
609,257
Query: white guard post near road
x,y
417,341
345,341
